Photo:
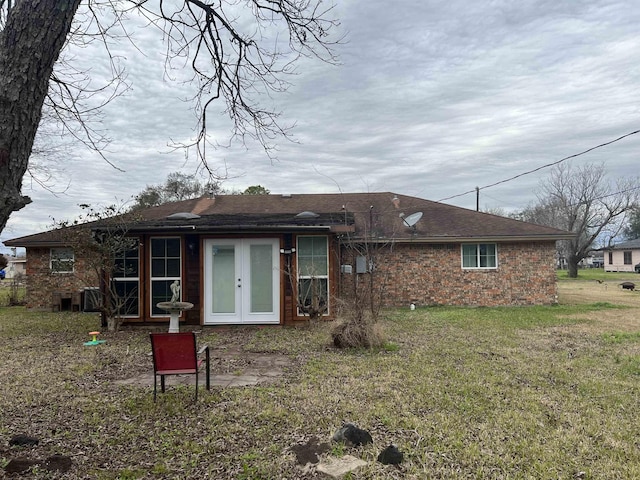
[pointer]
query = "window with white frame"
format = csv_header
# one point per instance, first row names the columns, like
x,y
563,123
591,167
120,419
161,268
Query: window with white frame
x,y
61,260
479,255
166,267
628,258
126,282
313,272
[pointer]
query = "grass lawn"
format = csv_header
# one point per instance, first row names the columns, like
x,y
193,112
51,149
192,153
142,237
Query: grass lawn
x,y
587,274
497,393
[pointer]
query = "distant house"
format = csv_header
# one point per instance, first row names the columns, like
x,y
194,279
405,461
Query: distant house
x,y
594,259
622,257
245,259
16,267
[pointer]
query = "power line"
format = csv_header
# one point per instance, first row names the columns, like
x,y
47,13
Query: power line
x,y
542,167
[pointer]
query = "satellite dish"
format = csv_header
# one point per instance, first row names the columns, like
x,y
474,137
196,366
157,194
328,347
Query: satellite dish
x,y
411,220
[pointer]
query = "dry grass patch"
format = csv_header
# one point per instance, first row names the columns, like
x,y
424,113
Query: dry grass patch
x,y
599,287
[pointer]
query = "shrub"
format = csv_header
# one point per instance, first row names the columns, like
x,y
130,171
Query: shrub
x,y
357,330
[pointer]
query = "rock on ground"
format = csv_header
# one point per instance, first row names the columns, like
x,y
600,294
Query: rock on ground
x,y
338,467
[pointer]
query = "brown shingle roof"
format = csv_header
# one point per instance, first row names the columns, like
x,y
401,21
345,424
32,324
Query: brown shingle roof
x,y
377,215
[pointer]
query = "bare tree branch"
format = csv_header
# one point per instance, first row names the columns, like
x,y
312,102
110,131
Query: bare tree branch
x,y
239,52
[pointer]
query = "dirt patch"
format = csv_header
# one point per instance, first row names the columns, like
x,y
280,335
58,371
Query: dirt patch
x,y
234,360
230,367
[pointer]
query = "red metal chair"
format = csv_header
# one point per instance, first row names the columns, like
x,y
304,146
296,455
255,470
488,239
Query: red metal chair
x,y
175,354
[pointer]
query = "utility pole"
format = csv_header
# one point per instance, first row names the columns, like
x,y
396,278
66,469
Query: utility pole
x,y
477,199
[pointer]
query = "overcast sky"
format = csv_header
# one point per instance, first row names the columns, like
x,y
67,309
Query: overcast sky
x,y
432,98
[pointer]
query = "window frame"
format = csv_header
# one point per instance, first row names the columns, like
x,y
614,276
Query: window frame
x,y
126,278
155,312
52,259
478,256
627,256
324,277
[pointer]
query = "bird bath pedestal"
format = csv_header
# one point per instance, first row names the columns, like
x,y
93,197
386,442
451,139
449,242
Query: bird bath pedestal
x,y
174,309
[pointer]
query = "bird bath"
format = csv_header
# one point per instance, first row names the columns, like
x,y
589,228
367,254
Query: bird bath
x,y
174,309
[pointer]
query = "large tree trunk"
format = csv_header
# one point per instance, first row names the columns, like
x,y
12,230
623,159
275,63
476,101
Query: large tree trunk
x,y
572,265
34,34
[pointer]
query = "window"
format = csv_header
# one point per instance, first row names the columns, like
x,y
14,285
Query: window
x,y
479,255
610,258
166,267
627,258
313,272
62,260
126,282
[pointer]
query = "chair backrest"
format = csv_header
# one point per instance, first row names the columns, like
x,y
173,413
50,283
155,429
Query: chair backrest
x,y
174,351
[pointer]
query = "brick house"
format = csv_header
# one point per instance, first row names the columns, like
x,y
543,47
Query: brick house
x,y
245,259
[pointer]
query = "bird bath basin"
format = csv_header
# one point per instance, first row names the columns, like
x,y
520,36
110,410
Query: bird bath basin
x,y
174,309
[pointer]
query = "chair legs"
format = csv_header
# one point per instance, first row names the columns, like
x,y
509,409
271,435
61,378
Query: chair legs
x,y
162,382
207,378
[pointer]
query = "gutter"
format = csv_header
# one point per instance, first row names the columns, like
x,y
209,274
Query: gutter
x,y
229,228
487,239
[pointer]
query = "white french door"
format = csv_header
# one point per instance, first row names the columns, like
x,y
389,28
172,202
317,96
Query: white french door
x,y
242,281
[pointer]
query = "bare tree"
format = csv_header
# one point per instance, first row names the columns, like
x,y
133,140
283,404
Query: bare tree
x,y
237,53
100,238
632,230
581,200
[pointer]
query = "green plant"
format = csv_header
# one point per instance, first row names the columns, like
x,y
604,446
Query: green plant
x,y
391,347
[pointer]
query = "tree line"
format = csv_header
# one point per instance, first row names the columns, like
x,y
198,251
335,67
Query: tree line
x,y
179,186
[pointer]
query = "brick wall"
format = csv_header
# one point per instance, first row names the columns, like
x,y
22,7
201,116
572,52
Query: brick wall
x,y
432,275
42,283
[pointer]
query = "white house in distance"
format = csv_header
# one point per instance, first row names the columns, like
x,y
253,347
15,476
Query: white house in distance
x,y
622,257
16,266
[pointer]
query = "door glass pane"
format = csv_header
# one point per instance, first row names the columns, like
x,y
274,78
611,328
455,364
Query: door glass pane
x,y
261,273
224,279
